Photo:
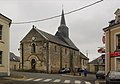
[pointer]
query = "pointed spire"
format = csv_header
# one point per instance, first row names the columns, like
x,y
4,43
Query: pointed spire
x,y
62,18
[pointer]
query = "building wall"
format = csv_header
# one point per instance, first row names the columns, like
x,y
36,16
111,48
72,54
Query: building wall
x,y
39,55
4,47
91,67
14,65
110,61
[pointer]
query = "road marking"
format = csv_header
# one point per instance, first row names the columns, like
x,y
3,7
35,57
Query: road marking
x,y
67,81
57,80
77,82
87,82
38,79
46,80
29,79
96,82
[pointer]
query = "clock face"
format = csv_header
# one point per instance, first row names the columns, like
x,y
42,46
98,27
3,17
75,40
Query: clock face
x,y
33,38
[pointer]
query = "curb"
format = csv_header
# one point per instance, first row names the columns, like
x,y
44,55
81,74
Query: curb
x,y
13,78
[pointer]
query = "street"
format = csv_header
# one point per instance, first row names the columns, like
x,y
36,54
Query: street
x,y
42,78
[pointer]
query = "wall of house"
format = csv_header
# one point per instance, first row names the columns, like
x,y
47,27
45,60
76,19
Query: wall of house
x,y
113,41
14,65
4,47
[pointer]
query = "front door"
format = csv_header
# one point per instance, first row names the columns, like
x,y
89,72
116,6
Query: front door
x,y
33,64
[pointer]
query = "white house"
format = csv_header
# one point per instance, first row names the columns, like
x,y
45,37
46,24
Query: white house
x,y
4,45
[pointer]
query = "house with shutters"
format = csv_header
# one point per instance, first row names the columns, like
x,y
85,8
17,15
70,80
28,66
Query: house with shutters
x,y
49,53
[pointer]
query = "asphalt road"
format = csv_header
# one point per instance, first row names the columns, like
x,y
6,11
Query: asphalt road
x,y
42,78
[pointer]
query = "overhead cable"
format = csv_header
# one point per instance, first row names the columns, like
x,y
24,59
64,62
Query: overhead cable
x,y
26,22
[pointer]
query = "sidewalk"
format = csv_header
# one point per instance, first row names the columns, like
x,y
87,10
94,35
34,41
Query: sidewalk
x,y
12,77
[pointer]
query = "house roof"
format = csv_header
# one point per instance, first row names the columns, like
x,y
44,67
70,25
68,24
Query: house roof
x,y
95,61
13,57
6,18
83,56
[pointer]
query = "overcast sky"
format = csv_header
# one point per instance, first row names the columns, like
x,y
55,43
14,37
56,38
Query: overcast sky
x,y
85,26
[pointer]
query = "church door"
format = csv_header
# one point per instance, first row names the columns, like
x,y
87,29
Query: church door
x,y
33,64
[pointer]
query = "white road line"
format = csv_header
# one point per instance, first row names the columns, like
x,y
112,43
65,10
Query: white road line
x,y
97,82
38,79
29,79
57,80
87,82
77,82
46,80
67,81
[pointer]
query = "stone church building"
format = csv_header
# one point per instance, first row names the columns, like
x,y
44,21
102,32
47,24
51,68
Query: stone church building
x,y
48,53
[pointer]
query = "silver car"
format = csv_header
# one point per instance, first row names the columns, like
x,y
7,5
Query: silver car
x,y
113,77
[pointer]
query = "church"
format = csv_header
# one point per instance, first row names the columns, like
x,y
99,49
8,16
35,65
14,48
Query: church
x,y
44,52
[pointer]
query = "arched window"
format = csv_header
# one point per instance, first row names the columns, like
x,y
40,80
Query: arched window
x,y
33,48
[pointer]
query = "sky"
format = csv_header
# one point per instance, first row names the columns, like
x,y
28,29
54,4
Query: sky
x,y
85,26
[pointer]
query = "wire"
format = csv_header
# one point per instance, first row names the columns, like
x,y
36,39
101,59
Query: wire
x,y
26,22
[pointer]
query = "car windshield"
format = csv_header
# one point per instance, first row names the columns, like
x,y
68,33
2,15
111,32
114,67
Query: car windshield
x,y
62,68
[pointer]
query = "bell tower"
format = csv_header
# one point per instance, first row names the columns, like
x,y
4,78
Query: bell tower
x,y
63,29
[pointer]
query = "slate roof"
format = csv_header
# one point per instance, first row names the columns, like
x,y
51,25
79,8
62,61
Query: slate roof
x,y
83,56
95,61
55,39
13,57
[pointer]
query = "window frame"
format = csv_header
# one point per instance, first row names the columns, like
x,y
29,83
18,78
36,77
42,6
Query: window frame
x,y
1,55
1,29
118,42
33,48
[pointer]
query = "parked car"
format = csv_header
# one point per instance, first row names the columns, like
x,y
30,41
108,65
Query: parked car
x,y
113,77
64,70
100,74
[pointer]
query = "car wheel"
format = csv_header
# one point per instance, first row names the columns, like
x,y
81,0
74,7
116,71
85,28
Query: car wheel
x,y
96,77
